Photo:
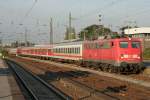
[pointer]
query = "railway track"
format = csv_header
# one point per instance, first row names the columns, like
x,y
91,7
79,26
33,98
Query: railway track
x,y
35,87
74,78
101,93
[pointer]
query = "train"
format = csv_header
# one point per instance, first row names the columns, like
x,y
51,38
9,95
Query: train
x,y
115,55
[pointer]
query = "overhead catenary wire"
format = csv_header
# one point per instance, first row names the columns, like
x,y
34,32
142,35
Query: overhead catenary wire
x,y
96,11
28,12
139,13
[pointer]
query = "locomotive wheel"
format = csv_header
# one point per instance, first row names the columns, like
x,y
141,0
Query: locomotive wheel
x,y
109,68
105,67
100,67
118,70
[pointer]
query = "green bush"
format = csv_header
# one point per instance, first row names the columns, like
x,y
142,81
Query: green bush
x,y
146,53
3,53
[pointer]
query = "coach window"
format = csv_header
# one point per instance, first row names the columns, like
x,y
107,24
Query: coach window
x,y
56,50
93,46
85,46
73,50
90,45
96,45
76,50
65,50
69,50
61,50
123,44
106,45
49,50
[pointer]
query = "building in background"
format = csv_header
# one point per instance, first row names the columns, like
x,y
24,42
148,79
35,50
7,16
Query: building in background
x,y
142,32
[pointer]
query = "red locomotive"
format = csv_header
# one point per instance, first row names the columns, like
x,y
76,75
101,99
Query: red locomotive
x,y
112,55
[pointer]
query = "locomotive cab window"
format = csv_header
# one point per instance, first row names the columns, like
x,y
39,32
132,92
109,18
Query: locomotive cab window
x,y
123,44
135,44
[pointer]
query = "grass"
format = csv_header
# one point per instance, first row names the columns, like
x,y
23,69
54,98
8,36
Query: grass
x,y
146,53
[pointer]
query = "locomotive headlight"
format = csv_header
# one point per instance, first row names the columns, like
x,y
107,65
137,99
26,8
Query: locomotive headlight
x,y
124,56
130,56
136,56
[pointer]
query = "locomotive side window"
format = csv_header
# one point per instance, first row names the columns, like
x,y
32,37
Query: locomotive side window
x,y
123,44
135,44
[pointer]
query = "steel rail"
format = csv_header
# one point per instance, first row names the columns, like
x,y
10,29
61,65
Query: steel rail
x,y
37,88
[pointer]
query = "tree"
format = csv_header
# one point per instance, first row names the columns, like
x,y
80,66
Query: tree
x,y
93,32
70,34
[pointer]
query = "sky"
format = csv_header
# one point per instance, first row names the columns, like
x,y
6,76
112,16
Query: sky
x,y
16,16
